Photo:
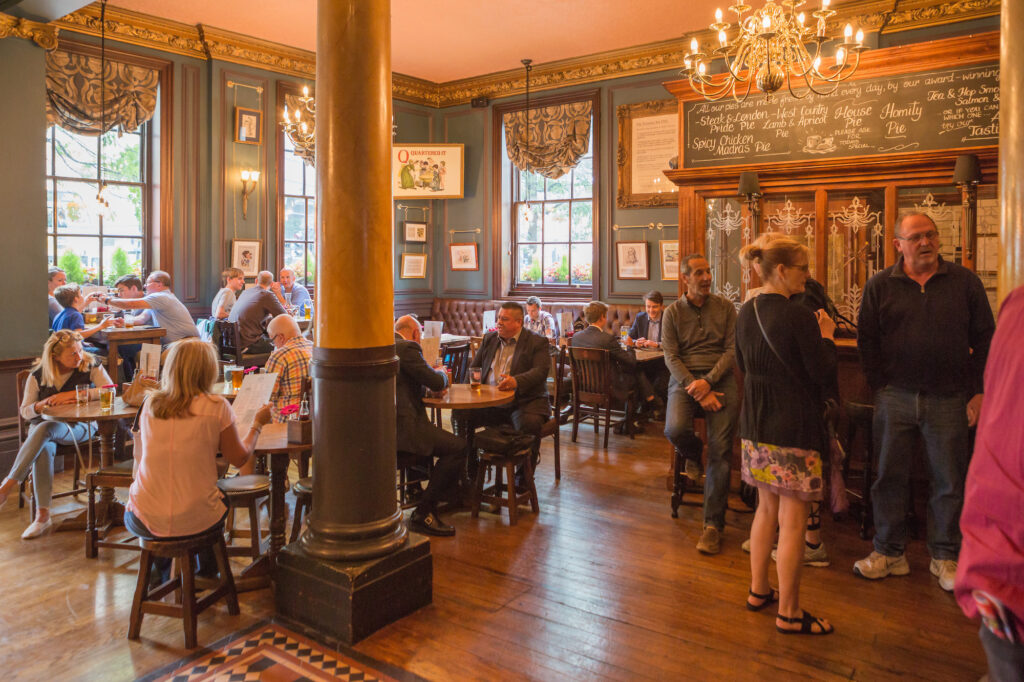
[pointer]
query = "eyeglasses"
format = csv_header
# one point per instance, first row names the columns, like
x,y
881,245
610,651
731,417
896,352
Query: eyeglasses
x,y
930,235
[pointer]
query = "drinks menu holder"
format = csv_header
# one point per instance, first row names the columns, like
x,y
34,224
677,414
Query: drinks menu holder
x,y
300,431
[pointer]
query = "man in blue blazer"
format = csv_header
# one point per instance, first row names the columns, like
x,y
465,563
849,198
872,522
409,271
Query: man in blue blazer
x,y
646,333
513,359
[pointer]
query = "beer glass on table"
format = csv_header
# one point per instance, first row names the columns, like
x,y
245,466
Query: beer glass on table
x,y
107,398
81,394
236,377
474,377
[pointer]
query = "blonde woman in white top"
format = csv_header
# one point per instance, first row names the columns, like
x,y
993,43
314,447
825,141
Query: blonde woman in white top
x,y
52,381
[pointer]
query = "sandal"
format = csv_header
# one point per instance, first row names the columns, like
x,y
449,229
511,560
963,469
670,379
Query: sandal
x,y
807,623
766,599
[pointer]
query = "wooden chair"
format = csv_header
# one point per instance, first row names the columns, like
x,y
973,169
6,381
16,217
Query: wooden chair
x,y
505,494
78,486
228,341
246,492
187,607
303,491
456,359
591,389
474,344
119,475
559,398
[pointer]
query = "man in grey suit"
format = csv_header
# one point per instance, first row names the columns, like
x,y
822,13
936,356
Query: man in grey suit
x,y
416,435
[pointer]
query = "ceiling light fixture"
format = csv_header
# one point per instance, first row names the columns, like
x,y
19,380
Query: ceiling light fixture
x,y
526,210
770,49
102,204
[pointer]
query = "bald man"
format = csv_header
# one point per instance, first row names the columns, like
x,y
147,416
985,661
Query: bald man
x,y
416,435
290,359
297,295
252,310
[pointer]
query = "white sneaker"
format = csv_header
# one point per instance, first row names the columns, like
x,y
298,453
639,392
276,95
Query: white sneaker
x,y
876,566
945,571
35,529
817,556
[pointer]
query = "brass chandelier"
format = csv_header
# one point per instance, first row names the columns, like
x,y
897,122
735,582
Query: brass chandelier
x,y
771,48
302,130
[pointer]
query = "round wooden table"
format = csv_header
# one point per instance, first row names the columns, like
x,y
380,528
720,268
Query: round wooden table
x,y
108,510
465,397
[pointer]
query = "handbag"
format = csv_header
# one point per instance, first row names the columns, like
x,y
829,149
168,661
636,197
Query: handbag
x,y
135,393
503,440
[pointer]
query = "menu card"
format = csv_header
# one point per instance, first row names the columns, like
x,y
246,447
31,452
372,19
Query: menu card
x,y
254,394
433,328
149,360
431,346
490,318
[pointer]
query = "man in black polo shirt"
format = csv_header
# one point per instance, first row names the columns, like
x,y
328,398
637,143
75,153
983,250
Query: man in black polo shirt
x,y
923,333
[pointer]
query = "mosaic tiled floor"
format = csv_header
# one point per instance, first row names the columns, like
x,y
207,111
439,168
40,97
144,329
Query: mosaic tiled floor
x,y
272,652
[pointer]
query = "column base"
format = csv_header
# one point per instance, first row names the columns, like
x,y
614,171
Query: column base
x,y
348,601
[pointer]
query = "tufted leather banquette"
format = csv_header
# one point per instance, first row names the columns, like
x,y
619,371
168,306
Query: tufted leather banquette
x,y
465,317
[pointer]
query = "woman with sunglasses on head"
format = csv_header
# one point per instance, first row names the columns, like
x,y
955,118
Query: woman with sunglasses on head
x,y
52,381
787,354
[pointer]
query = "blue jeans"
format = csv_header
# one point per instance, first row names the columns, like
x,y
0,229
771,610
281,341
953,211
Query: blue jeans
x,y
941,421
37,453
721,427
206,561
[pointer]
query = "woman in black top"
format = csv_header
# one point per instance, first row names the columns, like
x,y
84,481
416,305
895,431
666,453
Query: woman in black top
x,y
786,353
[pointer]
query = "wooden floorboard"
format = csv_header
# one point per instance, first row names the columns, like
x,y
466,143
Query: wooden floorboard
x,y
602,584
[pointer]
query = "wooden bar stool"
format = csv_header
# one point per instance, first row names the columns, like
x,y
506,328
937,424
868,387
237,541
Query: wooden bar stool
x,y
303,491
246,492
511,500
861,419
187,607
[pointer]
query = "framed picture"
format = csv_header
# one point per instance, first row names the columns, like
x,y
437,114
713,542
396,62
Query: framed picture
x,y
245,255
648,145
464,256
414,266
415,232
427,171
631,260
669,258
248,125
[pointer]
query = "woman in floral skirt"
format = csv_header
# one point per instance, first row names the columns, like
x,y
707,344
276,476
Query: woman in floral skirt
x,y
786,353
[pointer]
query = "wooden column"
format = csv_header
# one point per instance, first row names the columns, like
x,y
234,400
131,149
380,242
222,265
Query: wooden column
x,y
1011,151
356,568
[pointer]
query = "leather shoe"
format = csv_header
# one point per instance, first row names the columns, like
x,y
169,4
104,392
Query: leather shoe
x,y
430,524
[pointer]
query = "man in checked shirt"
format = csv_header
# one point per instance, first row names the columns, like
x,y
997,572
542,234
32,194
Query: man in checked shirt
x,y
290,359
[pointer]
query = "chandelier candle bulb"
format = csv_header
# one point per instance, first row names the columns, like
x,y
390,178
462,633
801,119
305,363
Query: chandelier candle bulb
x,y
847,33
840,55
860,37
718,15
693,46
721,38
800,19
766,22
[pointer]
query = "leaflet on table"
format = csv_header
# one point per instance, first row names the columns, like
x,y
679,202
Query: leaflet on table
x,y
564,323
490,318
149,360
433,328
254,394
431,346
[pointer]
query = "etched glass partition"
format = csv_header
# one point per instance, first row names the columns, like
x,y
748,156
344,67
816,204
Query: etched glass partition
x,y
855,229
794,216
942,205
727,229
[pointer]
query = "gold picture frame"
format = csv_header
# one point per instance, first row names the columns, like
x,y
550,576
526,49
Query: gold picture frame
x,y
414,266
248,126
648,133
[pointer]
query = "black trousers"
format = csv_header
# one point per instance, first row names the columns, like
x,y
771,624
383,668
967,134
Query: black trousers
x,y
450,451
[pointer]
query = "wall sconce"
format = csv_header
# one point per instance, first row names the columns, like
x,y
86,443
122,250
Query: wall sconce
x,y
966,176
249,180
751,189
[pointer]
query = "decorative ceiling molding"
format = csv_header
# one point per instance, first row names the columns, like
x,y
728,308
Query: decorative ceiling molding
x,y
206,42
43,35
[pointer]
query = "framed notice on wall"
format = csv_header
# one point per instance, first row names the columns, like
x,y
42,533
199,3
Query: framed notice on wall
x,y
648,145
427,171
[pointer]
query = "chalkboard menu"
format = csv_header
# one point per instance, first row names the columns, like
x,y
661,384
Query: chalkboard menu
x,y
923,111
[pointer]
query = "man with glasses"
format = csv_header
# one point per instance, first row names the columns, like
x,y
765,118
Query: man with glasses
x,y
923,333
290,359
159,307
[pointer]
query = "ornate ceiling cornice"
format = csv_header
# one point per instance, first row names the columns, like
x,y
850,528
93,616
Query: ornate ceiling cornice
x,y
43,35
206,42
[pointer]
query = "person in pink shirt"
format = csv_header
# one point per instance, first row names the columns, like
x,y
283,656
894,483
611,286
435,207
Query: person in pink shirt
x,y
181,429
990,575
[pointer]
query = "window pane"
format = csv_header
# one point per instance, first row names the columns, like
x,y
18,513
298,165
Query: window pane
x,y
293,173
50,258
556,222
560,188
294,219
583,179
76,154
310,279
311,220
122,158
583,221
80,258
582,264
529,264
295,258
49,150
49,205
556,264
121,257
310,179
76,207
529,230
125,215
531,187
